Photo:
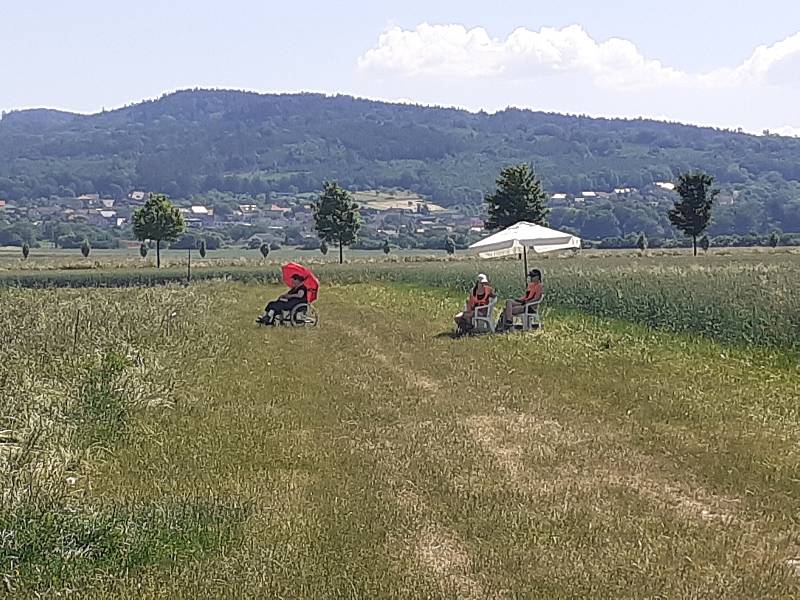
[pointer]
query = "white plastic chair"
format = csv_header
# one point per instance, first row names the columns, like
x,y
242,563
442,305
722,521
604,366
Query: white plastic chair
x,y
483,316
530,317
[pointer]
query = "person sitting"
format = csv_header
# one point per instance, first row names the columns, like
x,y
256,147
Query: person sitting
x,y
481,294
533,293
297,294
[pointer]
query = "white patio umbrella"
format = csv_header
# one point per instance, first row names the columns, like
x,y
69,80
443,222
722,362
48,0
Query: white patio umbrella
x,y
521,236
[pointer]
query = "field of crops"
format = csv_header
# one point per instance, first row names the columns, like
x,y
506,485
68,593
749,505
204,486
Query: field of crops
x,y
48,259
745,298
155,443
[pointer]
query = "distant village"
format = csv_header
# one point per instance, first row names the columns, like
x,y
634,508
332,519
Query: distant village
x,y
394,215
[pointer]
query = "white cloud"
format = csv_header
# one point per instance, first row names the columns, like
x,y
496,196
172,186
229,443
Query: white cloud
x,y
453,51
778,64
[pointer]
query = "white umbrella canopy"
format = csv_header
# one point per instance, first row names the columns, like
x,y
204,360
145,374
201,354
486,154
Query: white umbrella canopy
x,y
522,236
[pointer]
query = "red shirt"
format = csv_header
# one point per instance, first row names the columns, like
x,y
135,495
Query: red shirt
x,y
534,291
476,299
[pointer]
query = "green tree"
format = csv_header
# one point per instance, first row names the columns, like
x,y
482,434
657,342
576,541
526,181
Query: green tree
x,y
692,212
641,242
85,248
254,243
705,243
386,247
143,250
264,248
25,251
774,239
323,247
450,245
202,248
519,197
158,220
336,217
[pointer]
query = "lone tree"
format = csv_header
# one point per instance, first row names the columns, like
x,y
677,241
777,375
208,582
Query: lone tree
x,y
85,248
202,249
264,248
450,245
519,197
323,247
641,242
143,250
692,212
336,217
774,239
158,220
26,250
386,247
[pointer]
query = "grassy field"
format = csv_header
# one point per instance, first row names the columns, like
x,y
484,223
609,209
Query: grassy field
x,y
50,259
746,298
47,259
171,449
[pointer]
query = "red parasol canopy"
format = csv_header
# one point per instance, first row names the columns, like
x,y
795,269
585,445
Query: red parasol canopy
x,y
309,279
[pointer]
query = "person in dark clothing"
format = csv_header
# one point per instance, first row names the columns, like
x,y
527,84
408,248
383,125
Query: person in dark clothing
x,y
287,302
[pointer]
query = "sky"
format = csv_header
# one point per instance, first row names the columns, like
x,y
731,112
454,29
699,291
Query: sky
x,y
726,63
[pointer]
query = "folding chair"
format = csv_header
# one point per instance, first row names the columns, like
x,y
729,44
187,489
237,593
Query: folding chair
x,y
483,317
530,317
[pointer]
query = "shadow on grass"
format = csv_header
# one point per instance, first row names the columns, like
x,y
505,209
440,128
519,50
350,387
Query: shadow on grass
x,y
452,335
448,335
102,413
46,550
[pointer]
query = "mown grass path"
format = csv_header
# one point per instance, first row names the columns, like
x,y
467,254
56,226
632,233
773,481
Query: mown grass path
x,y
380,459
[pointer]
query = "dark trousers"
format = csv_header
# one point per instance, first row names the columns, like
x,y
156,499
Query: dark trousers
x,y
278,306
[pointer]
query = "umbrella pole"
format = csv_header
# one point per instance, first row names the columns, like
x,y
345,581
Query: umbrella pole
x,y
525,263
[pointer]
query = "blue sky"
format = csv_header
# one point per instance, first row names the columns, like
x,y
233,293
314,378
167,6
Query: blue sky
x,y
731,63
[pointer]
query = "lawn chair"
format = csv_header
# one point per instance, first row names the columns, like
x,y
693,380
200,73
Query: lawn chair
x,y
530,317
483,317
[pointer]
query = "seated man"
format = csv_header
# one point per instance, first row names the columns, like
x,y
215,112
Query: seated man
x,y
296,295
480,295
517,307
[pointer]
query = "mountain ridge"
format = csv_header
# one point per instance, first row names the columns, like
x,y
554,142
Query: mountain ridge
x,y
24,112
197,140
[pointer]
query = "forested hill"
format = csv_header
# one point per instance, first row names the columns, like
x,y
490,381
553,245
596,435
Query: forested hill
x,y
194,141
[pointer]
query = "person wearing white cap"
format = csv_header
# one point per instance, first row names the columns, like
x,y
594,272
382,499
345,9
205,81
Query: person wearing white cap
x,y
480,295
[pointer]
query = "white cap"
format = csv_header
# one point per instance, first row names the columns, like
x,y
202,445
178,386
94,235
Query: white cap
x,y
483,278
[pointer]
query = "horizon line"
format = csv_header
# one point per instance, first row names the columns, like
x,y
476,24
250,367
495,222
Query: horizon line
x,y
396,102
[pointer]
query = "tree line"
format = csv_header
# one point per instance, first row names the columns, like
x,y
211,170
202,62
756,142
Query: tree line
x,y
518,196
198,141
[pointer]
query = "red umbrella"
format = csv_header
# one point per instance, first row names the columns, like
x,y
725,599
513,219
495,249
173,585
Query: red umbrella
x,y
309,279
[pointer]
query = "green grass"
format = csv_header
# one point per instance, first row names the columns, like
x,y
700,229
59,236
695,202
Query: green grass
x,y
79,370
375,457
57,259
751,299
52,551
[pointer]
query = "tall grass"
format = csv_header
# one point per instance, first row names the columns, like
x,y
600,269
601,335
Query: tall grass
x,y
76,368
753,300
739,299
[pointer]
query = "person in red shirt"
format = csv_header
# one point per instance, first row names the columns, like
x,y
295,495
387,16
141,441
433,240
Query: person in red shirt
x,y
533,293
480,295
